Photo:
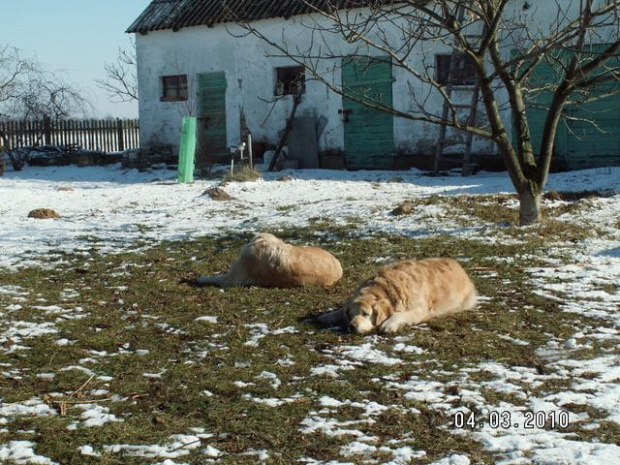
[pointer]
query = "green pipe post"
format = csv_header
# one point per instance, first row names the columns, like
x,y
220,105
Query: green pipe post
x,y
187,149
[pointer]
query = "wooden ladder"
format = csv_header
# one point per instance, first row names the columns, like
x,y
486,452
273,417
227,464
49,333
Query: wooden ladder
x,y
448,106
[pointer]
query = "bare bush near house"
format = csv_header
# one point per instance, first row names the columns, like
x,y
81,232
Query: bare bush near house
x,y
506,43
29,92
19,156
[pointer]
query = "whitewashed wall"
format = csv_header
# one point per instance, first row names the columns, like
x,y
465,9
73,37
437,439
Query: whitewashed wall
x,y
250,74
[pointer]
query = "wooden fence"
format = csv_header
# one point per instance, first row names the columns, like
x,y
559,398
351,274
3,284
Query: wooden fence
x,y
108,135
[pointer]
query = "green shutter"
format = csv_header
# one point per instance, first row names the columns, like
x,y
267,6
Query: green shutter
x,y
212,116
368,132
579,144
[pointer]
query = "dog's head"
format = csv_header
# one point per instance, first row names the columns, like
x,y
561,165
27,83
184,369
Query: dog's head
x,y
366,312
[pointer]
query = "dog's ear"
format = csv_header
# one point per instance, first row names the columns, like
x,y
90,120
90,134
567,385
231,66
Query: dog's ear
x,y
334,318
382,310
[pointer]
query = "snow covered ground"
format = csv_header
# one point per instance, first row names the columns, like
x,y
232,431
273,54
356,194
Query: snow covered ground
x,y
110,209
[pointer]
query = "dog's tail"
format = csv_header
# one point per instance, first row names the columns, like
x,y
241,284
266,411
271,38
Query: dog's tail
x,y
203,280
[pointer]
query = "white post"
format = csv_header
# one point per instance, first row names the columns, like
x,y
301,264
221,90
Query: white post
x,y
250,148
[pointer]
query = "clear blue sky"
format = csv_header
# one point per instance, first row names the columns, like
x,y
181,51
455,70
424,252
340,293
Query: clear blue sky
x,y
73,38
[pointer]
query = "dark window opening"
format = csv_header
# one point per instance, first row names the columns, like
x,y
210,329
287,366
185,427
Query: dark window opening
x,y
290,80
174,88
464,73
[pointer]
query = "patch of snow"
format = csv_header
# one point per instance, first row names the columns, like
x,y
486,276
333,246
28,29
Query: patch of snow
x,y
22,452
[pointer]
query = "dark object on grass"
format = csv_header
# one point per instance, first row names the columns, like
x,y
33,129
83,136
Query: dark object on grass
x,y
404,208
217,193
43,213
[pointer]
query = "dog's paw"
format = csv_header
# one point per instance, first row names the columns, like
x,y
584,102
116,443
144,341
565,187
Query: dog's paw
x,y
390,326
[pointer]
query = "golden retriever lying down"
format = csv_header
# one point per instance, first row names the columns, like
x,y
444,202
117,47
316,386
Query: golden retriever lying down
x,y
406,293
270,262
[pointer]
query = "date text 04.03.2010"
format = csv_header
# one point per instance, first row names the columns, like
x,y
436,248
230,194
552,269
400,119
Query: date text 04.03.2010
x,y
504,419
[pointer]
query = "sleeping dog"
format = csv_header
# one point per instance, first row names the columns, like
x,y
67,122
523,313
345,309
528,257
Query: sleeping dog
x,y
270,262
406,293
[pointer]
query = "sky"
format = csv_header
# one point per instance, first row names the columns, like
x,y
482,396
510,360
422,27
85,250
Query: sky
x,y
74,39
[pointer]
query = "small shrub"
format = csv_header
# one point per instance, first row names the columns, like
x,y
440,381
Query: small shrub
x,y
243,174
19,157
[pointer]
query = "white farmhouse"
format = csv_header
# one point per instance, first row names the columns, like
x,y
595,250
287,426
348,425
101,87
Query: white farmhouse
x,y
238,65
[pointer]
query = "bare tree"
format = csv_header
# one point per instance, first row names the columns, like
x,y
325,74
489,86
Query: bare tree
x,y
121,83
29,92
504,41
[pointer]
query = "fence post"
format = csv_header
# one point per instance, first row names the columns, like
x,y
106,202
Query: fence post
x,y
121,140
47,130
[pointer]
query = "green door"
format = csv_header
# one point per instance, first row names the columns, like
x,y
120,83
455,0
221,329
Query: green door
x,y
212,119
582,144
368,132
590,135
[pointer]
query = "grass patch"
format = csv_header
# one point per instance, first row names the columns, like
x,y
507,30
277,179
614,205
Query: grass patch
x,y
250,367
286,208
242,174
500,212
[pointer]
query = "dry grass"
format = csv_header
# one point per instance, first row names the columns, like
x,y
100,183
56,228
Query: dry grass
x,y
217,193
43,213
139,302
134,321
243,174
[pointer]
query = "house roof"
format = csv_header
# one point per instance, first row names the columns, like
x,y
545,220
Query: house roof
x,y
177,14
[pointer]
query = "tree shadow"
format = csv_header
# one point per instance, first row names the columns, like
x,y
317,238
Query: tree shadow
x,y
612,253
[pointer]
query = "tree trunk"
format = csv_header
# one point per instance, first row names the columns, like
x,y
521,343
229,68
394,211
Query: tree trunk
x,y
529,205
